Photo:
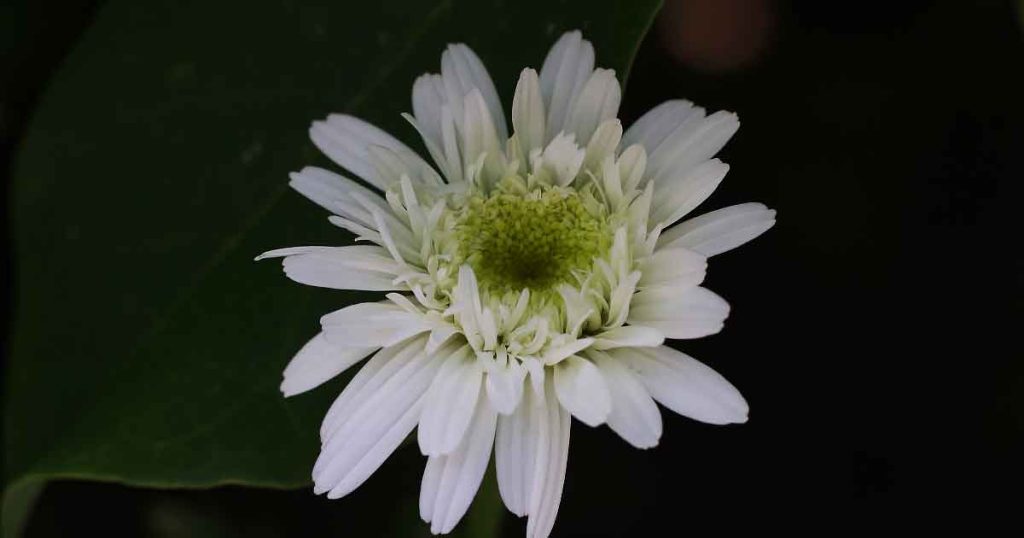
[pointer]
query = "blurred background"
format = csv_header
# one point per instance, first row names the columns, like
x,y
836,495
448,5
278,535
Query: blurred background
x,y
875,330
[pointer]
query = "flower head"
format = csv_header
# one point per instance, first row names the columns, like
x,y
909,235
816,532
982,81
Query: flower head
x,y
531,277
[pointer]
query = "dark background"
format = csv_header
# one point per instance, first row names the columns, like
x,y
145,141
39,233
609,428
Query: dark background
x,y
878,319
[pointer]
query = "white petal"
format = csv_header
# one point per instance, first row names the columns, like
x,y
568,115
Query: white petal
x,y
691,313
653,127
372,324
582,391
552,457
378,422
603,143
450,482
449,404
556,354
505,388
317,362
692,143
563,159
634,416
358,267
514,454
528,112
479,135
368,380
677,196
686,385
427,100
333,192
677,268
346,140
721,230
460,64
628,336
596,102
566,69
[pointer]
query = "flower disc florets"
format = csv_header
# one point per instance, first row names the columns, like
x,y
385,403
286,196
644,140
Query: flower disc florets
x,y
534,240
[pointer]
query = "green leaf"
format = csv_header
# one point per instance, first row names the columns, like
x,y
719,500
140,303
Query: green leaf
x,y
147,346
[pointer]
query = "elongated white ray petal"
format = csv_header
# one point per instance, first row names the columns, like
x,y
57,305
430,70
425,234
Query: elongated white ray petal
x,y
450,482
449,404
317,362
628,336
557,354
634,416
367,380
460,65
376,424
346,140
333,192
528,112
688,313
372,324
685,385
677,268
597,101
552,456
602,145
582,391
677,196
479,135
358,267
514,453
566,69
721,230
692,143
654,127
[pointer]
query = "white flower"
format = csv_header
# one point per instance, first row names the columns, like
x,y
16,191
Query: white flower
x,y
531,277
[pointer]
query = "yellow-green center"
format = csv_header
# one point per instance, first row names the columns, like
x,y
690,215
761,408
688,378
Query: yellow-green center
x,y
534,241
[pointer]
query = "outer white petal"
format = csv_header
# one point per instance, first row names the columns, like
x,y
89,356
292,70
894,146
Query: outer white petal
x,y
720,230
449,404
317,362
566,69
582,391
357,267
479,136
461,66
690,144
602,144
333,192
528,112
628,336
381,367
346,140
634,416
552,456
677,268
376,424
689,313
597,101
651,129
676,197
372,324
514,453
686,385
450,482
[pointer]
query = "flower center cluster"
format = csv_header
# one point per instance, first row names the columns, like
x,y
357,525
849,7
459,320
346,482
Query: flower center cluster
x,y
535,240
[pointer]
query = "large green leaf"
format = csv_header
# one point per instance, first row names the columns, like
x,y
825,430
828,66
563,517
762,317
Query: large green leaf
x,y
147,347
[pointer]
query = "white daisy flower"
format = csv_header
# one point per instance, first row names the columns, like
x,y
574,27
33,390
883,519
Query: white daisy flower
x,y
530,277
